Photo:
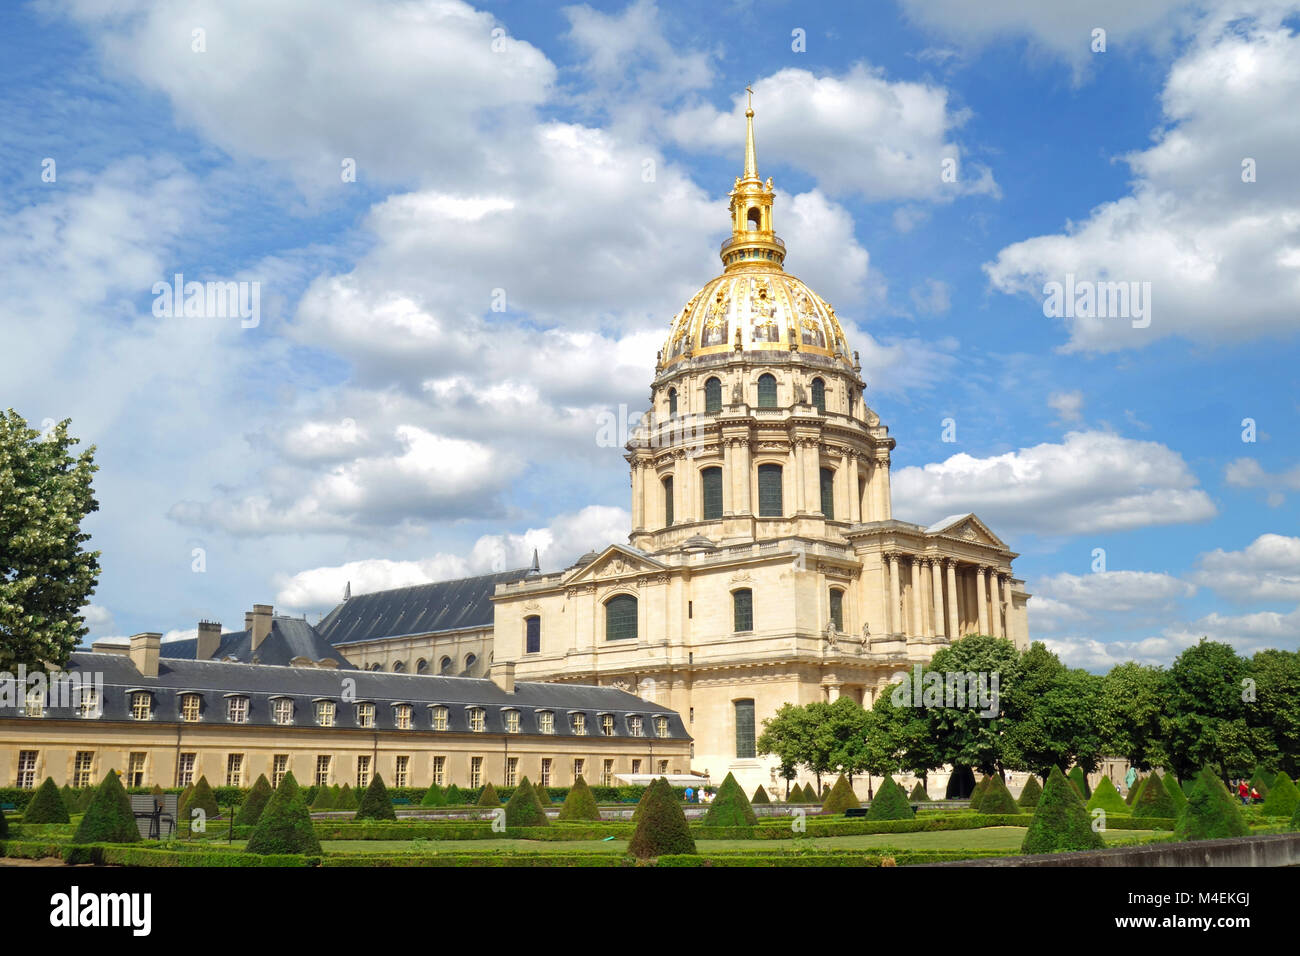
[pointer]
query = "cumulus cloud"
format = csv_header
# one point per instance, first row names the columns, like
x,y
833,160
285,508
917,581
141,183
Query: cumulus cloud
x,y
1213,220
1092,482
932,297
1068,405
1268,569
1249,473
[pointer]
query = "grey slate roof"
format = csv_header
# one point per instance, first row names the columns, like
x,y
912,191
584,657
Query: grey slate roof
x,y
420,609
290,637
262,683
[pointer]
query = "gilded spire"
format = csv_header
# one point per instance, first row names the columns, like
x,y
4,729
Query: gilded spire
x,y
751,158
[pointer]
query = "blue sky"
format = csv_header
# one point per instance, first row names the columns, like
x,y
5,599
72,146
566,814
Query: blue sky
x,y
382,424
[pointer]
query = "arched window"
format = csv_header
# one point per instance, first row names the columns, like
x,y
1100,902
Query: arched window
x,y
769,491
754,218
668,501
398,667
532,635
745,729
620,618
819,395
422,666
376,666
742,609
672,401
712,396
837,608
767,391
444,666
470,661
828,492
711,487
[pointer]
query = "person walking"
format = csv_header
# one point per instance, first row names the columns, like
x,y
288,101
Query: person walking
x,y
1243,791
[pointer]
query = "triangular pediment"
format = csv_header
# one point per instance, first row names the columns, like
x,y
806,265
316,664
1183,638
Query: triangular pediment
x,y
968,528
615,561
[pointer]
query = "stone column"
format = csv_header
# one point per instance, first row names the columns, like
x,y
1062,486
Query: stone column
x,y
995,602
744,469
884,509
954,621
852,499
796,462
918,619
728,479
812,478
680,495
981,598
894,619
936,591
638,495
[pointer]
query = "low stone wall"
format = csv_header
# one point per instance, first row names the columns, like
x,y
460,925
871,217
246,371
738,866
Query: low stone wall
x,y
1276,849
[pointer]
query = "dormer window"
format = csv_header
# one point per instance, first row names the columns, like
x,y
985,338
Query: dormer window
x,y
635,726
580,725
325,711
35,703
512,721
402,716
661,726
237,710
439,718
282,711
546,722
88,705
141,705
191,708
477,719
607,725
365,714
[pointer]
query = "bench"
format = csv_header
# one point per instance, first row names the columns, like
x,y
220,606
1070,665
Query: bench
x,y
401,801
4,807
855,811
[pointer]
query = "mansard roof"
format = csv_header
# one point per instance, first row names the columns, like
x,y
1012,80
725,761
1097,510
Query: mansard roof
x,y
291,639
419,609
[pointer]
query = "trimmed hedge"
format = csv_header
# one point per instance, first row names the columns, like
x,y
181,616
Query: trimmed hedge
x,y
325,797
1154,800
662,827
47,806
1030,794
285,825
580,804
523,809
919,794
1080,781
488,797
981,788
1282,798
760,796
1060,821
890,803
1135,791
109,819
347,799
841,797
376,804
1107,798
250,811
434,797
730,808
201,799
1211,812
997,798
1177,796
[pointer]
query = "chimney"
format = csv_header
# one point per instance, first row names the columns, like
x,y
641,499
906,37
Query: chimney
x,y
209,640
248,620
144,653
110,647
261,619
503,675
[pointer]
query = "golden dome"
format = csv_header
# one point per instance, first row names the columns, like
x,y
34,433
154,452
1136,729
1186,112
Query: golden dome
x,y
754,305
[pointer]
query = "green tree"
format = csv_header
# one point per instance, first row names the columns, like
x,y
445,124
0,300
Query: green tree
x,y
46,574
997,798
580,804
662,828
347,800
376,804
488,797
1204,718
1211,812
1281,800
433,797
523,808
47,805
981,788
918,794
760,795
785,735
1154,800
890,803
841,797
285,823
1128,714
1060,821
1177,796
1080,780
964,735
848,726
1274,714
454,796
109,818
1107,798
730,808
250,811
325,798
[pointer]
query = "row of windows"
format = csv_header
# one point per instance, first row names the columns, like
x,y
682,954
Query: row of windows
x,y
767,395
326,712
446,666
771,502
621,613
236,770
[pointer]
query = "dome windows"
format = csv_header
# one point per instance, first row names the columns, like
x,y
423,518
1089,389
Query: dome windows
x,y
819,395
770,503
713,396
767,391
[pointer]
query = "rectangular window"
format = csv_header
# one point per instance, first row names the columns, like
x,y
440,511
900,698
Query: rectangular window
x,y
135,770
237,710
325,713
440,718
141,706
283,711
234,770
579,767
512,721
363,771
477,719
580,725
546,722
279,767
185,769
742,609
366,715
190,705
745,729
35,703
636,766
440,771
88,705
607,774
837,609
27,769
546,772
620,618
636,726
661,726
663,767
400,769
769,492
711,486
512,770
607,724
828,492
81,768
403,714
532,635
323,770
668,501
476,771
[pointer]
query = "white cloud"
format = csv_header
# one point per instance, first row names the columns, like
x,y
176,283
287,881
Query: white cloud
x,y
1222,256
1092,482
1268,569
1068,405
1249,473
932,297
1119,591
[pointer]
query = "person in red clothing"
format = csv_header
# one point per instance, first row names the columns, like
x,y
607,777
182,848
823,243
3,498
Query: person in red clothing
x,y
1243,791
1254,795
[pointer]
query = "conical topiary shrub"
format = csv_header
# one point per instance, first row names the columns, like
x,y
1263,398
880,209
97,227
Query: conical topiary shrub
x,y
85,797
1154,801
1211,812
1080,780
1281,800
662,827
760,795
376,804
997,798
542,794
1107,798
1060,821
730,808
325,797
488,797
347,798
433,797
636,811
580,804
46,805
109,818
841,797
523,810
69,798
890,802
918,794
977,795
250,811
285,823
1262,781
1031,793
202,798
1295,819
454,796
183,799
1177,796
1135,791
